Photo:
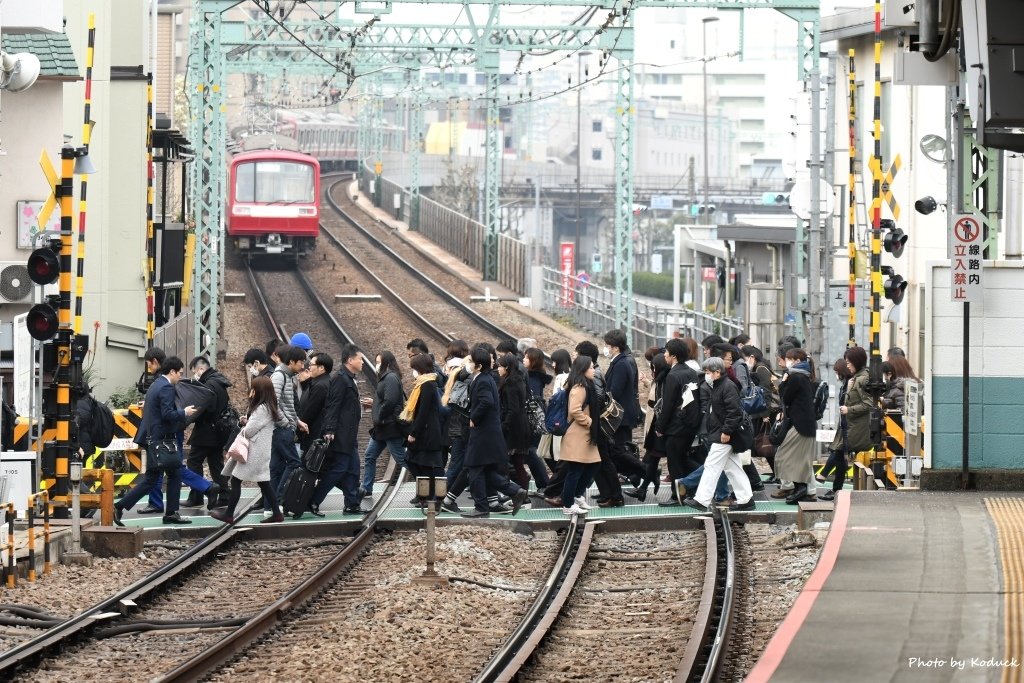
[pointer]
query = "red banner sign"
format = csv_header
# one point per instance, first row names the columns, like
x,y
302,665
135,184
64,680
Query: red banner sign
x,y
567,266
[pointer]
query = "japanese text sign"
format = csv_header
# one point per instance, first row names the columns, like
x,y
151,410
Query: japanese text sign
x,y
965,262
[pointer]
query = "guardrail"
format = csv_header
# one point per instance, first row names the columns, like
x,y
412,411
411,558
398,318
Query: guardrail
x,y
592,308
457,234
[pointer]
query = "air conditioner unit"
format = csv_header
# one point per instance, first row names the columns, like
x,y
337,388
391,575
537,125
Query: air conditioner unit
x,y
15,284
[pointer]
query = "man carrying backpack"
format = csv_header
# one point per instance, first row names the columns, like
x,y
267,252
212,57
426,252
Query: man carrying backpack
x,y
681,413
207,442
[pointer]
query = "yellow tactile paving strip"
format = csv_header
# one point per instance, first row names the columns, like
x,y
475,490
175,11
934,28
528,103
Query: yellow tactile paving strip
x,y
1008,516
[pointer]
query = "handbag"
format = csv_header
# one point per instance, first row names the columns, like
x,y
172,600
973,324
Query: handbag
x,y
763,447
165,454
777,432
611,417
239,449
535,415
755,401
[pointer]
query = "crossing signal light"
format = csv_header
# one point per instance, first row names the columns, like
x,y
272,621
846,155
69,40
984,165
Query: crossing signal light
x,y
42,321
774,199
894,286
895,239
44,264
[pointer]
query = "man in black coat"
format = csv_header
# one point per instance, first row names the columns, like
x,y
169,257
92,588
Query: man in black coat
x,y
314,397
207,441
679,423
161,420
341,428
486,452
724,421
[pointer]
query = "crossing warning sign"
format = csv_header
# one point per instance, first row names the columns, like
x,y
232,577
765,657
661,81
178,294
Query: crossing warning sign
x,y
965,263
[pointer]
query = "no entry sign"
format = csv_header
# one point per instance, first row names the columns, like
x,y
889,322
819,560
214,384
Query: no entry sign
x,y
966,260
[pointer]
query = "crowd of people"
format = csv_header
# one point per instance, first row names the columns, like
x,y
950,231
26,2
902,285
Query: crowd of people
x,y
475,417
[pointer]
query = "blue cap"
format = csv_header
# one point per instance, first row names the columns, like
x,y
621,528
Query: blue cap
x,y
302,340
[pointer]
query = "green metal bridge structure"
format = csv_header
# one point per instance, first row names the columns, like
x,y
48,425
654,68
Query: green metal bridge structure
x,y
264,43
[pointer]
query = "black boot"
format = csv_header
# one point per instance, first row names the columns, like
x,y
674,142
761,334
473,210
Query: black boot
x,y
799,493
638,492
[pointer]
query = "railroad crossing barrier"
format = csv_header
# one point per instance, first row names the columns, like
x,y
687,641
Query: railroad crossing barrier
x,y
42,498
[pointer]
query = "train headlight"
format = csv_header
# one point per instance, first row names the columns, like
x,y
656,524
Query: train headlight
x,y
307,211
241,210
243,242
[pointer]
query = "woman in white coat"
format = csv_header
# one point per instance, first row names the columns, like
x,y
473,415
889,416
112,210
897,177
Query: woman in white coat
x,y
259,430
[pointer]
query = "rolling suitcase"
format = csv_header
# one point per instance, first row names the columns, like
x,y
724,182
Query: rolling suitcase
x,y
298,492
313,460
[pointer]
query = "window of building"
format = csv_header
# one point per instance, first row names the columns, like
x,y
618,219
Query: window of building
x,y
595,154
596,126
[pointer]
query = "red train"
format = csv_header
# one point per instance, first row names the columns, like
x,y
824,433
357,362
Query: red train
x,y
273,199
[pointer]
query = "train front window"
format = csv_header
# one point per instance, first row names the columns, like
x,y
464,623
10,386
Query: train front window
x,y
274,182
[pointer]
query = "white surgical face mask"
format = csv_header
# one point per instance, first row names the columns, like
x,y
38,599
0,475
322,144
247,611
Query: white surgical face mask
x,y
606,351
197,375
709,378
789,363
415,373
253,371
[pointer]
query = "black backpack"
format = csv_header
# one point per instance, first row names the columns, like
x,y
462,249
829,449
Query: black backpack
x,y
102,427
226,423
821,399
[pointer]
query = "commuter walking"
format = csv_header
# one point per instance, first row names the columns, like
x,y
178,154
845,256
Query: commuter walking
x,y
654,443
621,381
207,441
579,452
795,458
681,413
341,429
422,413
486,451
724,418
855,405
161,421
515,427
261,416
284,457
387,431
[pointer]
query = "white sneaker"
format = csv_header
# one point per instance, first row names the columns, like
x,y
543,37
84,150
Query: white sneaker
x,y
581,503
574,510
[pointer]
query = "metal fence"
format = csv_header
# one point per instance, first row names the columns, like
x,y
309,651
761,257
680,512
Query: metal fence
x,y
177,336
592,308
456,233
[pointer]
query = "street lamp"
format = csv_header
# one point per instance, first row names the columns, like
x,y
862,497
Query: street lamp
x,y
579,147
704,70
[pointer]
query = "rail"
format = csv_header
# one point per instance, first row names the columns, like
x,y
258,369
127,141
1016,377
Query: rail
x,y
523,642
465,309
254,628
65,631
709,639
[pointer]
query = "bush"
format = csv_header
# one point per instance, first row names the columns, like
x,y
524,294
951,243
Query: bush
x,y
122,397
657,285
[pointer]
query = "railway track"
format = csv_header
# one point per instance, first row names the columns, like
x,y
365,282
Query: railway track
x,y
621,606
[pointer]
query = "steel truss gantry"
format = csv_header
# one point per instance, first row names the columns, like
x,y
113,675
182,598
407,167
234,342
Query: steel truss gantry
x,y
337,47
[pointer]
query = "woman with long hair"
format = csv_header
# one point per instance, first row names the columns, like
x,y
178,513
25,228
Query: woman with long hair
x,y
654,445
795,457
262,414
895,372
387,431
515,426
579,454
855,404
424,456
537,378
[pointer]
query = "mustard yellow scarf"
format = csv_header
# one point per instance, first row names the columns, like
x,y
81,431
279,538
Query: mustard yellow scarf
x,y
414,396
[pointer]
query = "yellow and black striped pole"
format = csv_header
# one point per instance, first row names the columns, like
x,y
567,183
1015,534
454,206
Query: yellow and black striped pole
x,y
150,238
62,380
876,201
852,213
84,185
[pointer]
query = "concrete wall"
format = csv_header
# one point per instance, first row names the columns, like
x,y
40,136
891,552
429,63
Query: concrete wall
x,y
996,378
114,312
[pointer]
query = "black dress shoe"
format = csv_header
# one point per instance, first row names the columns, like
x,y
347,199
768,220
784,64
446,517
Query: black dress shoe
x,y
352,510
613,503
757,487
799,493
117,516
149,510
670,503
742,507
476,514
518,499
212,494
639,494
176,519
635,480
315,511
828,496
691,503
194,500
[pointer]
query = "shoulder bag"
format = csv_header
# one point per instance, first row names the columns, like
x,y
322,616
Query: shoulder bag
x,y
165,454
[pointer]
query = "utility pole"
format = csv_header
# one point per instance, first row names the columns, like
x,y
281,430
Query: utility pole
x,y
579,149
704,73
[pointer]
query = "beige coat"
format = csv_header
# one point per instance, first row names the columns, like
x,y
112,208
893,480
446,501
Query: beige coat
x,y
576,446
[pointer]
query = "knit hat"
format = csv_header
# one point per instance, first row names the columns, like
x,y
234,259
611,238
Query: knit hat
x,y
302,340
